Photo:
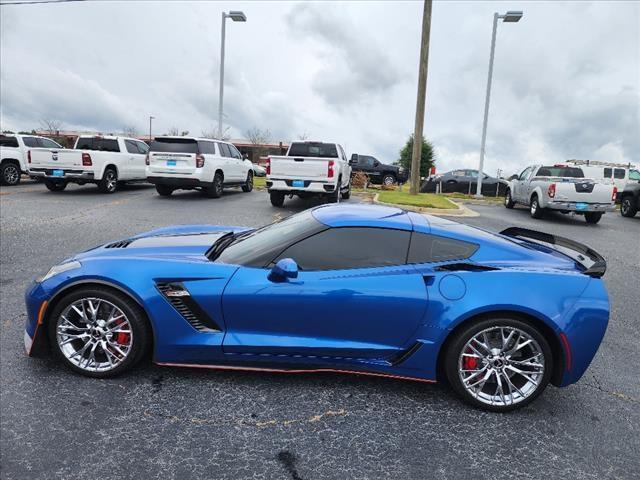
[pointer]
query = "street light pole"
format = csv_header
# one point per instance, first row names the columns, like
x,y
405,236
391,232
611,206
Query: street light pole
x,y
151,117
510,16
236,17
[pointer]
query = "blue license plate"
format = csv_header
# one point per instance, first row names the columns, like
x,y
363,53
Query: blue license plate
x,y
298,183
171,163
581,206
58,173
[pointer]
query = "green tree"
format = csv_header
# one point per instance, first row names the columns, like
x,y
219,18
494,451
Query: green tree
x,y
428,156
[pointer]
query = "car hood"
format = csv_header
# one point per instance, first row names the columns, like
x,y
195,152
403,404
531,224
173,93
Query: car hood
x,y
182,240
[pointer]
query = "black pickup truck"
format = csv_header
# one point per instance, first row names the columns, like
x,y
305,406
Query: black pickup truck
x,y
630,200
379,173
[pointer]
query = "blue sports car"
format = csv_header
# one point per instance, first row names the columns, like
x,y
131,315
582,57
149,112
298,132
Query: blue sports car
x,y
341,288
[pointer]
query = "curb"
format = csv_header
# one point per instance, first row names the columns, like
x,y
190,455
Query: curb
x,y
461,211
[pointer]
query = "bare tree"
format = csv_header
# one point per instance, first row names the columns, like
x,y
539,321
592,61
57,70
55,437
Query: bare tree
x,y
184,133
174,132
130,131
257,136
303,136
211,133
51,126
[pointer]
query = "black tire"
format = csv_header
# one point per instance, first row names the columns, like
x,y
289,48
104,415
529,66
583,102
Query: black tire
x,y
535,209
593,217
164,190
627,209
346,195
141,339
109,182
508,201
215,190
55,186
248,184
10,173
277,199
334,197
388,179
454,352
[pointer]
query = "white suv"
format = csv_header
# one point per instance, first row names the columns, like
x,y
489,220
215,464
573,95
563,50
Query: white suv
x,y
13,155
186,163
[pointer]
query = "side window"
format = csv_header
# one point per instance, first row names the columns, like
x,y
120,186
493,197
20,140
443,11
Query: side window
x,y
432,248
131,146
234,152
143,148
348,247
30,142
525,174
46,143
85,143
208,148
618,173
8,142
367,162
607,173
472,173
106,145
224,150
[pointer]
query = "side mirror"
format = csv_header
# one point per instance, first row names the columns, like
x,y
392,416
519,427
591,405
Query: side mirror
x,y
376,163
352,162
283,270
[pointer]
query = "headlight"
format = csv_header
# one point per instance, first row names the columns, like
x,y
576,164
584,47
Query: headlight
x,y
63,267
401,170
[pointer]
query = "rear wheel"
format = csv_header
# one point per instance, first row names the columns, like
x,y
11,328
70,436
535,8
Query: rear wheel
x,y
508,201
109,182
534,207
347,194
248,184
593,217
277,199
627,209
98,333
164,190
334,197
499,364
215,190
55,186
10,173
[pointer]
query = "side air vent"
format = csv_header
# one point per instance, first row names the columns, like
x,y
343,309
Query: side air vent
x,y
119,244
180,298
465,267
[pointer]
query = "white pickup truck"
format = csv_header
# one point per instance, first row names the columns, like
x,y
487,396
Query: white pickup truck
x,y
309,169
14,155
104,160
562,188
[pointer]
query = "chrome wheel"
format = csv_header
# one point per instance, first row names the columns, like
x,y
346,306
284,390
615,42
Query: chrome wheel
x,y
11,174
388,180
94,334
111,180
501,366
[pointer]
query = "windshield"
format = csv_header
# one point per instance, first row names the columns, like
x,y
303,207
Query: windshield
x,y
313,149
260,247
571,172
174,145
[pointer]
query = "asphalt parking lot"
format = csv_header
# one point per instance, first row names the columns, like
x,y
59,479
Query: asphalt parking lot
x,y
180,423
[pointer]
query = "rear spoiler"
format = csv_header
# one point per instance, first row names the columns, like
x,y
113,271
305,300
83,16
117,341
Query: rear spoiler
x,y
593,263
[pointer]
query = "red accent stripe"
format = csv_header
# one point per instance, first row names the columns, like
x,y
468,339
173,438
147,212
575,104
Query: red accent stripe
x,y
41,311
278,370
567,350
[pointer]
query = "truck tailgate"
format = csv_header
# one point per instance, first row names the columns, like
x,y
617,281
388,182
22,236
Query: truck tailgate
x,y
583,191
52,158
300,167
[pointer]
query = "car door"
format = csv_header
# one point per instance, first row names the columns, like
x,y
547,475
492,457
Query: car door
x,y
354,297
135,160
239,166
230,175
518,193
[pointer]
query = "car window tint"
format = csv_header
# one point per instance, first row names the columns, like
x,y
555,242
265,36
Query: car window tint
x,y
634,175
47,143
313,149
8,142
234,152
618,173
524,174
553,171
131,146
30,142
174,145
106,145
350,247
224,150
208,148
143,148
432,248
607,173
84,143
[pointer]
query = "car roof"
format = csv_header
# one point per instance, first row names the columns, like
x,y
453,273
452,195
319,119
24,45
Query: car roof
x,y
363,216
197,139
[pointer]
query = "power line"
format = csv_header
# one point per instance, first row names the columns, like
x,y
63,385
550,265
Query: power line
x,y
33,2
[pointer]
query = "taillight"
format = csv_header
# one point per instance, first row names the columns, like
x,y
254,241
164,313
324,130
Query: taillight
x,y
199,160
614,194
29,156
267,166
86,160
146,159
330,169
552,190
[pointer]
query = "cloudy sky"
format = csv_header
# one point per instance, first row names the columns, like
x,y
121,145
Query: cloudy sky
x,y
566,78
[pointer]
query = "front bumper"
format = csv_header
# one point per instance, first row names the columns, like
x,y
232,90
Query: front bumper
x,y
179,182
309,186
573,207
70,174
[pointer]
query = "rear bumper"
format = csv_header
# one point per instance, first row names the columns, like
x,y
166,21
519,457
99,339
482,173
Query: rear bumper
x,y
70,174
184,183
309,186
573,207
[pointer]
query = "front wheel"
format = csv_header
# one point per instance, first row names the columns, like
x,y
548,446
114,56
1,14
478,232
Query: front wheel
x,y
248,184
109,182
98,333
55,186
388,180
508,201
593,217
534,207
9,173
277,199
626,208
498,364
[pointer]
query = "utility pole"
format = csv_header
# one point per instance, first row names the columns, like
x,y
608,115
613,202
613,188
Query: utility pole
x,y
422,93
151,117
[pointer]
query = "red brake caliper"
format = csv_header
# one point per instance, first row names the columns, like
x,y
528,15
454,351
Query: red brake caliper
x,y
121,337
469,363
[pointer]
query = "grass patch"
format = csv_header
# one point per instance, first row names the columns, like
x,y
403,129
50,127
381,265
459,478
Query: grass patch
x,y
427,200
259,182
485,198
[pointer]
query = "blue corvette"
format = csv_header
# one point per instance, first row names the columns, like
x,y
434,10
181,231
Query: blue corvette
x,y
346,288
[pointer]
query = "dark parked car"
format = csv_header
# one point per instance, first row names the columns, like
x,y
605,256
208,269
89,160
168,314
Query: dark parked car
x,y
465,176
630,200
464,181
379,173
